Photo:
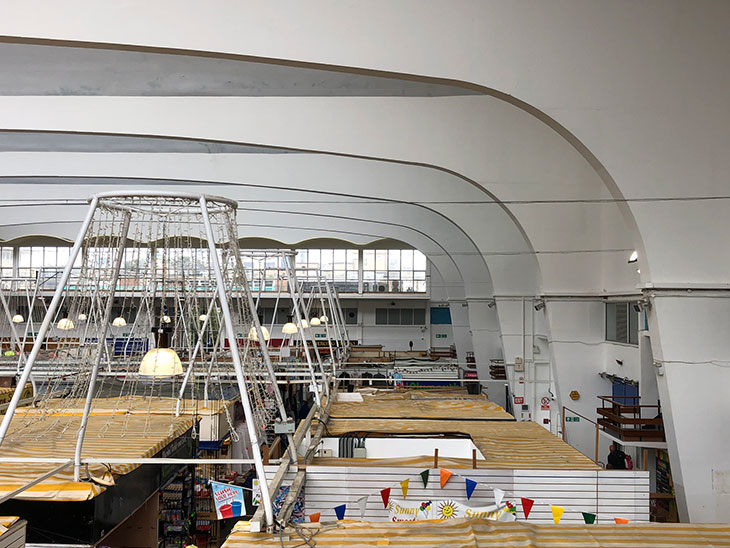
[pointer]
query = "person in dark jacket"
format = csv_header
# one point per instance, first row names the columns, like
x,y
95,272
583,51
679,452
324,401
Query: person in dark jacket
x,y
616,458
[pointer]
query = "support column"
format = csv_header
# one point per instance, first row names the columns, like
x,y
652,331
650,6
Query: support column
x,y
691,347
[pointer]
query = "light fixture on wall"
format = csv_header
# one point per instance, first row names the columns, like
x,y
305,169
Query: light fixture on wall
x,y
119,322
491,303
254,336
315,321
539,305
18,318
634,257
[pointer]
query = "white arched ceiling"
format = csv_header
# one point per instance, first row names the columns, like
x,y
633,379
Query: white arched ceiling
x,y
627,107
490,144
327,186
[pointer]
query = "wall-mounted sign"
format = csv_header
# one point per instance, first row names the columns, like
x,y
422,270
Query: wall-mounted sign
x,y
545,403
320,335
572,419
441,336
575,395
519,400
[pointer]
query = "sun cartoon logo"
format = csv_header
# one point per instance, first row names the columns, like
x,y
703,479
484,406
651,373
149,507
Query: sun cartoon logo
x,y
447,509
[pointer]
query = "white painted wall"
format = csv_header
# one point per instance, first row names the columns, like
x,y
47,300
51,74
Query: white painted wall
x,y
384,448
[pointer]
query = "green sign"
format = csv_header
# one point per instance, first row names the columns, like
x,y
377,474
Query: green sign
x,y
441,335
572,419
320,335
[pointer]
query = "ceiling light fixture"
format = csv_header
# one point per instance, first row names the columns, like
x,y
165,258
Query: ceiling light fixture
x,y
634,257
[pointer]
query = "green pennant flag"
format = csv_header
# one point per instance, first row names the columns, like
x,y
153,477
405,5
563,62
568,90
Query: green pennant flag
x,y
424,477
589,518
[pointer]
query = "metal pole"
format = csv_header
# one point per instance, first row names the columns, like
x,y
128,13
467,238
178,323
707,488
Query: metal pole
x,y
265,351
195,355
311,337
46,321
326,327
295,304
226,311
102,345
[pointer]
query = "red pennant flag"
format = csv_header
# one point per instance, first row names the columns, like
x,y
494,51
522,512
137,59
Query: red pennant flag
x,y
621,520
445,475
314,518
526,506
385,495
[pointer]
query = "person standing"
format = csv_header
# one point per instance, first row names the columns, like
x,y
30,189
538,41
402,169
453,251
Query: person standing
x,y
616,458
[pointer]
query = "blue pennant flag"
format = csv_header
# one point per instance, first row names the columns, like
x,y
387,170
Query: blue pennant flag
x,y
470,486
340,511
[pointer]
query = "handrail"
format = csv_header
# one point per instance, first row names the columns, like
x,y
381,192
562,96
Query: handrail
x,y
612,400
562,419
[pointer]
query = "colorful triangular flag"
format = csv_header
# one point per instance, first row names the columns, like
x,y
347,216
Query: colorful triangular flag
x,y
314,518
498,496
385,495
557,513
470,486
445,475
589,518
424,478
340,511
621,520
362,503
404,487
527,506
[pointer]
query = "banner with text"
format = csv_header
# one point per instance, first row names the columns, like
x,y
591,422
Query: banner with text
x,y
407,510
228,500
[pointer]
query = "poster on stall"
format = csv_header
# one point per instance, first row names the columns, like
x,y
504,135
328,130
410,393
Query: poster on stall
x,y
256,493
228,500
406,510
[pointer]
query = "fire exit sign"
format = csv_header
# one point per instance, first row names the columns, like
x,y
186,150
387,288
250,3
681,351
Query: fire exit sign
x,y
441,335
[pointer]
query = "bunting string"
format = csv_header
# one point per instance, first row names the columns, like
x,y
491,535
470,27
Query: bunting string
x,y
500,496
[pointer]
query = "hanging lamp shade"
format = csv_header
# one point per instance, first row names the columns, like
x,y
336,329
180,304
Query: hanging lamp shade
x,y
315,321
289,328
304,323
18,318
160,362
65,324
82,317
119,322
166,319
323,319
254,336
203,317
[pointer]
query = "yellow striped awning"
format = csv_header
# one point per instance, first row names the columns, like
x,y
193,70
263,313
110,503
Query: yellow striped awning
x,y
479,533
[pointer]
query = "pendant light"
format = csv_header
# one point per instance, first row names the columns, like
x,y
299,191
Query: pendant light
x,y
119,322
18,318
323,318
315,321
166,319
289,328
64,324
304,323
254,336
160,362
82,317
203,317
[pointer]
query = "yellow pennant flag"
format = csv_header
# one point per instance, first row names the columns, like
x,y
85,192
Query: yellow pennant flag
x,y
557,513
404,487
